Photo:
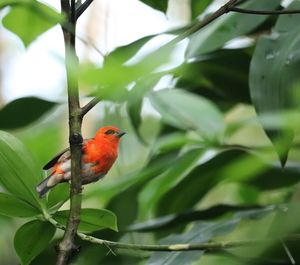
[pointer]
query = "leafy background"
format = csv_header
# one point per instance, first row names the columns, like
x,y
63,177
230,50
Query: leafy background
x,y
218,161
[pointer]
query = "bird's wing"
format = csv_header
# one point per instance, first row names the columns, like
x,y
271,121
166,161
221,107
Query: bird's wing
x,y
63,155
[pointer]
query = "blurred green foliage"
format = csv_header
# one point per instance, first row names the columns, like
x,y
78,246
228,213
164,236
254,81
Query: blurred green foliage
x,y
198,164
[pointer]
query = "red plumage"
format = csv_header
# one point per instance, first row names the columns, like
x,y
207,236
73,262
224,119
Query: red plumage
x,y
98,156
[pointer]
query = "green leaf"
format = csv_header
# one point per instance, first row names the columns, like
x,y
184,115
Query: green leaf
x,y
5,3
188,111
12,206
171,142
112,81
32,238
200,233
161,5
124,53
154,168
23,111
197,7
196,184
227,27
135,99
47,130
156,188
274,79
225,166
91,219
58,196
19,171
211,77
31,20
171,220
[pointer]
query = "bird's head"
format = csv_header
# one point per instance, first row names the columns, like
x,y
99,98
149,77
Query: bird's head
x,y
110,133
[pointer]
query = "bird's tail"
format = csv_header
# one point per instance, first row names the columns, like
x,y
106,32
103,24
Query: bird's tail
x,y
43,188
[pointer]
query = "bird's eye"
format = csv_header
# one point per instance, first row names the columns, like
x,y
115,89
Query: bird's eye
x,y
110,132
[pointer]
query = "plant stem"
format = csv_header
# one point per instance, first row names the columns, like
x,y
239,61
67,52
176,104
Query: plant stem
x,y
80,10
89,106
66,246
206,246
201,24
264,12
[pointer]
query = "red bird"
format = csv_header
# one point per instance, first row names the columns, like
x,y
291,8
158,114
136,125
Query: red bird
x,y
98,156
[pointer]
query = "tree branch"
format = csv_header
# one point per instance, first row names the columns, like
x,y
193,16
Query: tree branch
x,y
80,10
201,24
89,106
66,246
264,12
207,246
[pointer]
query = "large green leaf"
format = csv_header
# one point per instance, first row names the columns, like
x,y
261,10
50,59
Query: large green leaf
x,y
197,7
188,111
49,130
274,79
124,53
172,142
112,81
23,111
30,20
156,188
32,238
227,165
201,232
171,220
160,5
135,99
211,77
5,3
12,206
227,27
19,171
154,168
91,219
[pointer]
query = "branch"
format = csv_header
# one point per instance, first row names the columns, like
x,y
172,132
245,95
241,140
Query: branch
x,y
89,106
82,8
67,246
207,20
208,246
265,12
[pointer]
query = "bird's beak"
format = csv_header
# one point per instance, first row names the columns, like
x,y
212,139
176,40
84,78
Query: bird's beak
x,y
120,134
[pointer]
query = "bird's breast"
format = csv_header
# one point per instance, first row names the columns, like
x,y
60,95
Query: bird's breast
x,y
100,154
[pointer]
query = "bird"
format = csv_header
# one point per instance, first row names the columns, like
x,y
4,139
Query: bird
x,y
98,156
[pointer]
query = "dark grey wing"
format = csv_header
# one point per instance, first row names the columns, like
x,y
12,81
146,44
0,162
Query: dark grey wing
x,y
65,154
54,160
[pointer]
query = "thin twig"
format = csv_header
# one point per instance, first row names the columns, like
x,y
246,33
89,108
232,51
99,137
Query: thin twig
x,y
207,246
89,106
80,10
264,12
67,246
201,24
